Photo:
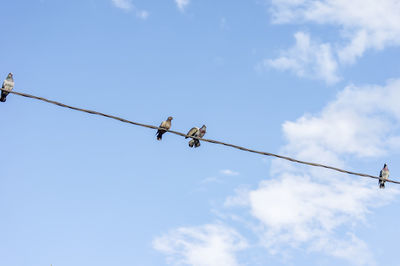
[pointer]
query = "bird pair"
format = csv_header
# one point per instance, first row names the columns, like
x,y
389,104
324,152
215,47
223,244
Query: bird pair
x,y
194,132
8,85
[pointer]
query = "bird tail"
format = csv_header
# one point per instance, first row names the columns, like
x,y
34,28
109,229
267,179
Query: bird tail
x,y
191,143
196,143
159,134
3,97
381,184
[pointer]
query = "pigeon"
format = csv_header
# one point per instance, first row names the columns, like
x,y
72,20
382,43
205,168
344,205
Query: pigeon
x,y
196,132
8,85
165,124
384,174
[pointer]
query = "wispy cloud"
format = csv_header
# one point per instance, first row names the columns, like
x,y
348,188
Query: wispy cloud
x,y
212,244
307,59
182,4
128,6
225,172
223,24
366,23
123,4
211,180
229,172
143,14
362,25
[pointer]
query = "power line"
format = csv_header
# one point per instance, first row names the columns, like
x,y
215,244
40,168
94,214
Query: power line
x,y
202,139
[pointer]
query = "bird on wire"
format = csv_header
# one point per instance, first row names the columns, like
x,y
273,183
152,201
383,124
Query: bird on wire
x,y
384,174
8,85
196,132
199,133
165,124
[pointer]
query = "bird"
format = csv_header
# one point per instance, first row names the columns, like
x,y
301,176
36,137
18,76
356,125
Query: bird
x,y
196,132
7,86
165,124
384,174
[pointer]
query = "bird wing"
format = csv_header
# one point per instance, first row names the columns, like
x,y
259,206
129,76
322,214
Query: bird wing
x,y
384,174
163,124
8,85
166,125
192,132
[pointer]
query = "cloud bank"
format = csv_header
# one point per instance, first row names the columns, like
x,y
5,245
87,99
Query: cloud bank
x,y
361,24
310,208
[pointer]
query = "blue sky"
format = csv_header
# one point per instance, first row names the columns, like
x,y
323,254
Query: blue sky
x,y
315,79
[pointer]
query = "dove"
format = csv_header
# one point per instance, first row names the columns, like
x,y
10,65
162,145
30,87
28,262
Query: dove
x,y
384,174
196,132
165,124
8,85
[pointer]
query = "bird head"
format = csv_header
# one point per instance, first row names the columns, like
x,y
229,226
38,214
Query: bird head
x,y
204,127
170,118
10,75
385,165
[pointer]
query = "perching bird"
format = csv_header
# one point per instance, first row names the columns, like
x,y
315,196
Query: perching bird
x,y
8,85
165,124
196,132
384,174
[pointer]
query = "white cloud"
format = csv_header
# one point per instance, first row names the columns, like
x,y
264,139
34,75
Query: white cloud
x,y
123,4
128,6
361,121
307,207
143,14
307,59
378,19
229,172
355,48
208,245
346,249
362,24
225,172
182,4
241,198
299,212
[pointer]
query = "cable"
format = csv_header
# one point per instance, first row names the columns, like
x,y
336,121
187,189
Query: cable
x,y
202,139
